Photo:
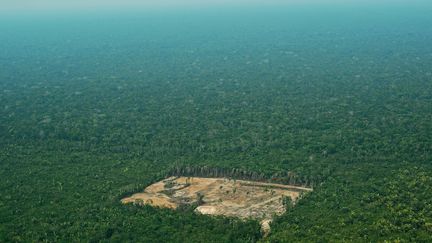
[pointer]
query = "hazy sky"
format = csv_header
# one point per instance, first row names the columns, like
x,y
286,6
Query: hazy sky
x,y
53,5
84,4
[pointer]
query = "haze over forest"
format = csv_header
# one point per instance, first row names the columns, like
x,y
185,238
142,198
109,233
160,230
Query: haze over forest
x,y
321,108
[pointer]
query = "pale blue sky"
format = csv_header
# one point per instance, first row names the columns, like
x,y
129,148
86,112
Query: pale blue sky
x,y
54,5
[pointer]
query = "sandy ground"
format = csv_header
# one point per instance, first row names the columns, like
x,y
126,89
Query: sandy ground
x,y
221,196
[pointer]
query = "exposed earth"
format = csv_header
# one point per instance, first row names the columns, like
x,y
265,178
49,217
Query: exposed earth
x,y
222,196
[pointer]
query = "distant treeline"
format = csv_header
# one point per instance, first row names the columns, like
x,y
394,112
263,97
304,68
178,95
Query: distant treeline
x,y
283,177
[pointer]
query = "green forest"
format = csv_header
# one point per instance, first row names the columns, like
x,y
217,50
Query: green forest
x,y
88,115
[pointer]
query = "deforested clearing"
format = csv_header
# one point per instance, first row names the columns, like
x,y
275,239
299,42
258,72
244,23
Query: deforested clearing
x,y
222,196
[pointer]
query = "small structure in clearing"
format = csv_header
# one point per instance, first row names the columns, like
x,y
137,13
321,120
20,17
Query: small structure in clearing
x,y
221,196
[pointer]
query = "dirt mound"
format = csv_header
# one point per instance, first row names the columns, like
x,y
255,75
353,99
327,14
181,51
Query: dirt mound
x,y
221,196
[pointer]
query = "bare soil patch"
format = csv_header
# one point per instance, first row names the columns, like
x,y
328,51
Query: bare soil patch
x,y
221,196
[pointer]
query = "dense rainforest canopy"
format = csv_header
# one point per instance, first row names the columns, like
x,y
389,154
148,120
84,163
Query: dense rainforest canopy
x,y
94,108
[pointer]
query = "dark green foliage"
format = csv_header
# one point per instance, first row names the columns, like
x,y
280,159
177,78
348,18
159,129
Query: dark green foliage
x,y
89,114
281,177
379,204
